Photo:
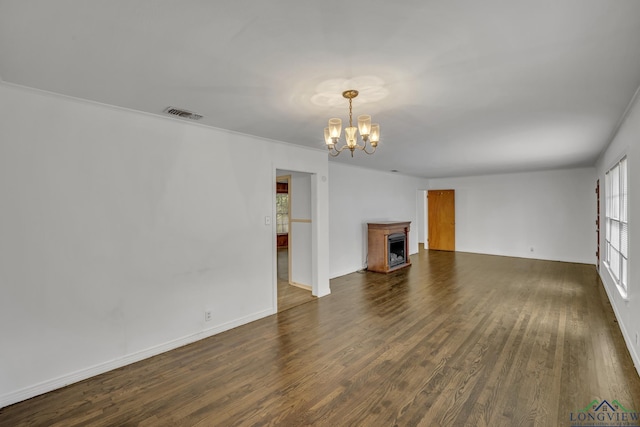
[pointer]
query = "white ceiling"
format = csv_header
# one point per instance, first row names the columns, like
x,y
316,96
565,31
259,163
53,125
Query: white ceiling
x,y
458,87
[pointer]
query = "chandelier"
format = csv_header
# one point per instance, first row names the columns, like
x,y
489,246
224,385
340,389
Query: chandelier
x,y
368,132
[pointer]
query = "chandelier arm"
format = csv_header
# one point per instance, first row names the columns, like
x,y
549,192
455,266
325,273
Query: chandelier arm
x,y
336,151
341,148
365,149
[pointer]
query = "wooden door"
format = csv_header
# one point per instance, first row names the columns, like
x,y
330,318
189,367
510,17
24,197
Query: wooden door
x,y
442,220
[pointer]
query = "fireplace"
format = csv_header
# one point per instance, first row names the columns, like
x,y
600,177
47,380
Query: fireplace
x,y
388,246
396,246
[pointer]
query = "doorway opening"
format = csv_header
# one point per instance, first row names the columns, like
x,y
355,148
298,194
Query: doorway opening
x,y
292,239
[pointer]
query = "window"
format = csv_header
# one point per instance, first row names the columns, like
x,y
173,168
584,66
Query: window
x,y
282,213
616,235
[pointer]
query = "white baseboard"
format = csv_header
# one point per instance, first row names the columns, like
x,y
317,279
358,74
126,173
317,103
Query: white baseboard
x,y
83,374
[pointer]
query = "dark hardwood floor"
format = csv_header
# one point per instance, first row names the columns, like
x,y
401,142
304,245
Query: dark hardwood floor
x,y
289,296
457,339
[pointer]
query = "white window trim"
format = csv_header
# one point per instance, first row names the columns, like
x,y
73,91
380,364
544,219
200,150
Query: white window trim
x,y
623,218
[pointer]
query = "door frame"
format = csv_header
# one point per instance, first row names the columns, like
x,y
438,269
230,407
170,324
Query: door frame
x,y
320,285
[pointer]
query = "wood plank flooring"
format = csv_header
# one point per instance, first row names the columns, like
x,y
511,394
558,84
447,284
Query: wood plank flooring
x,y
289,296
457,339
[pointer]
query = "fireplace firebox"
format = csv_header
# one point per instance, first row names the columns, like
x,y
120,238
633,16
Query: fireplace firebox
x,y
396,245
388,244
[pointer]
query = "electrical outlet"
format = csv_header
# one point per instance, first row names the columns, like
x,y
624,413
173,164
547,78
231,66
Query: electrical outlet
x,y
207,315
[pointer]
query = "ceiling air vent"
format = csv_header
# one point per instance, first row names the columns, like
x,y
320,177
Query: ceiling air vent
x,y
182,113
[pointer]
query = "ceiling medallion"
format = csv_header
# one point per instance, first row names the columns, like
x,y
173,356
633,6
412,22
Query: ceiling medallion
x,y
368,132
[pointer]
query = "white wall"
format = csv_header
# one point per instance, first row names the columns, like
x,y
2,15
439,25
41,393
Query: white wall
x,y
552,212
626,142
119,229
422,216
359,196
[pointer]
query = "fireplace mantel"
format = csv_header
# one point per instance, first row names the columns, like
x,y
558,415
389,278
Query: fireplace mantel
x,y
380,250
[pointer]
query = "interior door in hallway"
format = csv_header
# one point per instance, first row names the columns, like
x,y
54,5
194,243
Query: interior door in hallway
x,y
442,220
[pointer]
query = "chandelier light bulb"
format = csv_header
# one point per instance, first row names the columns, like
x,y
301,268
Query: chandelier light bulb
x,y
374,137
364,125
327,137
335,128
351,135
